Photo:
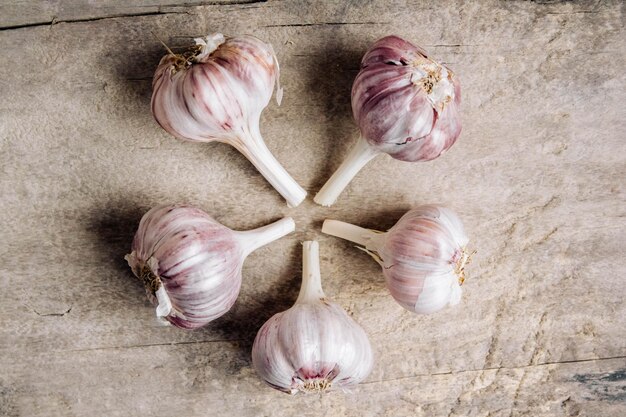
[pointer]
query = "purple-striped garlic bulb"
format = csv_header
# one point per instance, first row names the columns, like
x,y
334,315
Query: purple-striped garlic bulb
x,y
216,92
191,265
405,104
423,256
314,346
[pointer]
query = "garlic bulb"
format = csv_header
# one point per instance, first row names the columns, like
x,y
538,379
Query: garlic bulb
x,y
216,92
191,265
314,346
423,256
405,104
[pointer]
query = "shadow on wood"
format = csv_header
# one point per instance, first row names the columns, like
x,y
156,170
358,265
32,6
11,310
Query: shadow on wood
x,y
330,76
113,227
133,67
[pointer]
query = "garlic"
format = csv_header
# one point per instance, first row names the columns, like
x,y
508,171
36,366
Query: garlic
x,y
216,92
191,265
314,346
423,256
405,104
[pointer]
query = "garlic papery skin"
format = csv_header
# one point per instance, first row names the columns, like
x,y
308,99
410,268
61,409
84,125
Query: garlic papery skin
x,y
191,264
314,346
423,256
216,92
405,104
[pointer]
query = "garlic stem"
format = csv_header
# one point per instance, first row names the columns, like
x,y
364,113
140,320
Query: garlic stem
x,y
251,240
358,157
348,231
311,289
254,148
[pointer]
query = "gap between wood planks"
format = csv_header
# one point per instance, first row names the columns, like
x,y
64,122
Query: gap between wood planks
x,y
496,369
189,342
157,12
295,25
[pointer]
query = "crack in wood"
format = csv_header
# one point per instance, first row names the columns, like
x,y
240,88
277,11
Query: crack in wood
x,y
496,369
538,336
90,19
148,345
520,383
53,314
573,12
493,343
157,12
324,24
449,45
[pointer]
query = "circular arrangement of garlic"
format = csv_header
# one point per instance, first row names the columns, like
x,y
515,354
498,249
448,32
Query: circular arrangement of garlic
x,y
405,104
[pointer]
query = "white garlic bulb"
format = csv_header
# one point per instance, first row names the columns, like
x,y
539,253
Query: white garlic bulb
x,y
216,92
314,346
423,256
405,104
191,264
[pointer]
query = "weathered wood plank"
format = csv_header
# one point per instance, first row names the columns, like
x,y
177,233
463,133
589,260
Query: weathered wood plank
x,y
537,177
197,379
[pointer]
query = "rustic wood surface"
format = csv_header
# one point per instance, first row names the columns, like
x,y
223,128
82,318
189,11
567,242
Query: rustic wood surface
x,y
538,177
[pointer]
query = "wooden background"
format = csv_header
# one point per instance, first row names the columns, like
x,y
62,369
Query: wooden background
x,y
537,176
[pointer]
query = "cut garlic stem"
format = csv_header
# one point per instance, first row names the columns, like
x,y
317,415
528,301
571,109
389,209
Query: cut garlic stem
x,y
347,231
311,289
250,240
358,157
254,148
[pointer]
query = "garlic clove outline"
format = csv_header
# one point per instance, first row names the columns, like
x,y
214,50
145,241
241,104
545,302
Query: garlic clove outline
x,y
216,92
405,104
191,265
314,346
423,256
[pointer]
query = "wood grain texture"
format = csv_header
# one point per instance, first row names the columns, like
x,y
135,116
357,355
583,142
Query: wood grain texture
x,y
537,176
